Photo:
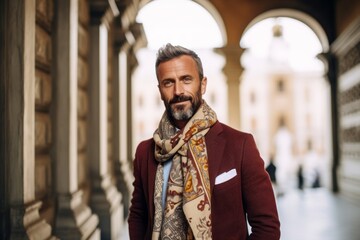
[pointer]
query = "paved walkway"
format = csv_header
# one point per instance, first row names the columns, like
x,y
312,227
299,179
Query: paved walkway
x,y
125,234
315,214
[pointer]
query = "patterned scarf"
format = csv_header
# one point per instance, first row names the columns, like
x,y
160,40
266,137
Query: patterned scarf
x,y
187,208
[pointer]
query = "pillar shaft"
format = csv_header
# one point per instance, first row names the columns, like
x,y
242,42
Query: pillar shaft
x,y
233,71
74,219
121,107
105,199
26,222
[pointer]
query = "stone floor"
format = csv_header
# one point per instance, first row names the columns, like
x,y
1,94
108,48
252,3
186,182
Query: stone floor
x,y
125,234
315,214
318,214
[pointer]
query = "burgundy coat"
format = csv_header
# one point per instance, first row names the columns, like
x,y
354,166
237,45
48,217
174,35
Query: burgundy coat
x,y
248,194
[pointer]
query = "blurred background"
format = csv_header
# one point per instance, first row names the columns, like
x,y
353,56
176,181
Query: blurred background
x,y
79,93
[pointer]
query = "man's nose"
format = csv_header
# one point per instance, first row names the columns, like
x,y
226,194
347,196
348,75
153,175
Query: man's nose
x,y
179,88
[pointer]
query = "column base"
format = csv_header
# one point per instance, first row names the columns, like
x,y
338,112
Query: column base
x,y
105,201
27,224
124,180
75,219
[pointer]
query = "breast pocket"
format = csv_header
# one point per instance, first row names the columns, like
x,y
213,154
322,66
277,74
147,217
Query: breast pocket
x,y
231,186
227,209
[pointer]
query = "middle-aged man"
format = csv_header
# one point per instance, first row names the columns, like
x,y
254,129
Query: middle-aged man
x,y
198,178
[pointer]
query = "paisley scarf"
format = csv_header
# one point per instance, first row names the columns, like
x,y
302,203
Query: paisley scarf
x,y
187,211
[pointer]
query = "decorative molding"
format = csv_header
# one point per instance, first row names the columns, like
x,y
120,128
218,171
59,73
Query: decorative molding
x,y
350,79
351,129
119,34
75,219
138,33
128,16
350,59
348,39
347,47
26,223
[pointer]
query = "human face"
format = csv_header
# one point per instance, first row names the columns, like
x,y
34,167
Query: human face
x,y
180,87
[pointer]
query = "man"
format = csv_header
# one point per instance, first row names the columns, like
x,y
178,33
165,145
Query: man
x,y
197,178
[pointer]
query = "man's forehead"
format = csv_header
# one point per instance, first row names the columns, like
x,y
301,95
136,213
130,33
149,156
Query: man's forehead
x,y
178,63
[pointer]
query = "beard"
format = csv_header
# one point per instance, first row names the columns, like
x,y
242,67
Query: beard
x,y
179,113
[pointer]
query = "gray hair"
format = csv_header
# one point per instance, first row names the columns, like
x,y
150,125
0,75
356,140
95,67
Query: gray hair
x,y
169,52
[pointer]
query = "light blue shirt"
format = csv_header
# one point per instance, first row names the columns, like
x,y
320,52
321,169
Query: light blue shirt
x,y
167,168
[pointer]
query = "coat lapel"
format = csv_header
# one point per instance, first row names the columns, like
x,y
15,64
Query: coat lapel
x,y
215,144
152,167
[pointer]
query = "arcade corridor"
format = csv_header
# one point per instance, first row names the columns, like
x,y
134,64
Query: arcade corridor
x,y
67,113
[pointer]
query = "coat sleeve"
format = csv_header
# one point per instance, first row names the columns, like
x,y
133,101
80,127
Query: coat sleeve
x,y
258,195
138,210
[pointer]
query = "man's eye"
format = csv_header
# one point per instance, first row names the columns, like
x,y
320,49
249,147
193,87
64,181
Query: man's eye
x,y
167,83
187,79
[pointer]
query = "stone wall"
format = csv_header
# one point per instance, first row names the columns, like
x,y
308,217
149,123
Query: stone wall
x,y
347,51
43,106
83,97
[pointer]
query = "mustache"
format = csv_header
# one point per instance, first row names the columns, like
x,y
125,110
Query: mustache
x,y
180,98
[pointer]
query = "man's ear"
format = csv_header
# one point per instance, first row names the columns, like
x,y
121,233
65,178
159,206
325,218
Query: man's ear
x,y
203,85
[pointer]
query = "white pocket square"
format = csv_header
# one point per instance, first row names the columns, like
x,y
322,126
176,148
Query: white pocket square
x,y
226,176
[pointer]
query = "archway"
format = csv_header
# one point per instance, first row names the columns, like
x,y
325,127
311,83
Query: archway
x,y
283,88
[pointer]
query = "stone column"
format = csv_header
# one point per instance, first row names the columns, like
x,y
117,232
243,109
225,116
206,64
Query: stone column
x,y
105,199
123,170
19,78
137,39
4,201
330,62
129,38
74,219
233,71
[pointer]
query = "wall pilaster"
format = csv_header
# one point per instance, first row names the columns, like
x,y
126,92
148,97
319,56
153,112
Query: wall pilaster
x,y
105,199
19,78
123,170
346,48
4,202
74,219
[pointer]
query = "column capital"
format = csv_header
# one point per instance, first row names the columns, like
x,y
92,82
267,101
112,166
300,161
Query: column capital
x,y
119,35
122,4
330,62
134,37
346,48
138,32
232,68
101,10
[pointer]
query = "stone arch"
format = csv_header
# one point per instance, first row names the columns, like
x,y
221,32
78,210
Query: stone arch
x,y
209,7
322,38
298,15
216,15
